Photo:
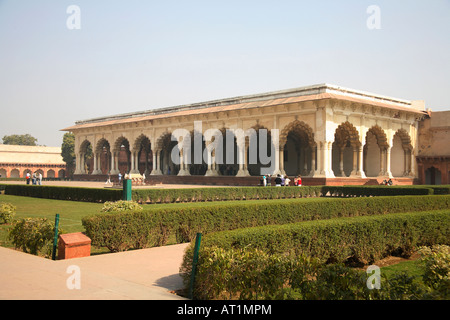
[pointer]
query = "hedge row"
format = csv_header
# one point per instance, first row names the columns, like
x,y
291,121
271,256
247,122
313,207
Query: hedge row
x,y
223,194
375,191
361,239
64,193
252,274
262,193
217,194
147,228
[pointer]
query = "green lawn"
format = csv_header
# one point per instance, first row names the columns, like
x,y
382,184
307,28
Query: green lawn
x,y
72,212
413,268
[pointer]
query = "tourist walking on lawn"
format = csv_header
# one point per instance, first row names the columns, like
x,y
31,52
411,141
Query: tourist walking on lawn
x,y
34,178
28,178
40,178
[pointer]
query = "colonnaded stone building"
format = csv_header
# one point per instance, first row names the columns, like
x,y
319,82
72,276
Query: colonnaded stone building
x,y
16,161
325,133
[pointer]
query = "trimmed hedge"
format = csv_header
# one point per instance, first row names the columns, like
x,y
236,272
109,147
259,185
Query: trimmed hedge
x,y
252,274
360,239
217,194
376,191
223,194
134,230
363,239
64,193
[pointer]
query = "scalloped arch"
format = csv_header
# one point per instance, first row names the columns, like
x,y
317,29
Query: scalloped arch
x,y
300,128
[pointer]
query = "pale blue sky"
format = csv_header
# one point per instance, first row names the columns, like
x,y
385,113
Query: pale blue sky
x,y
139,55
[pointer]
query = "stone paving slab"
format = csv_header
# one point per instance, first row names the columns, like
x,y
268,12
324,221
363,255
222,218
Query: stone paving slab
x,y
148,274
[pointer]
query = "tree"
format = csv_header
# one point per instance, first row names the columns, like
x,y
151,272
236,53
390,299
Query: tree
x,y
20,140
68,152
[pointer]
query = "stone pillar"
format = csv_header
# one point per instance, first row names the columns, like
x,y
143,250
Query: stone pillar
x,y
313,161
78,162
281,161
319,154
242,157
97,164
382,160
183,167
305,161
341,162
354,172
114,162
212,169
83,163
360,173
413,172
405,162
134,162
328,159
132,169
408,160
388,162
156,163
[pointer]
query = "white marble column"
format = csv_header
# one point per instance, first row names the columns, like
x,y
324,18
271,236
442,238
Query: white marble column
x,y
360,173
242,158
183,166
156,163
211,161
388,162
114,163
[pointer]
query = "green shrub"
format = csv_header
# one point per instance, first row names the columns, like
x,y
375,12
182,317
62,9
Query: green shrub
x,y
120,205
7,212
436,264
251,274
33,235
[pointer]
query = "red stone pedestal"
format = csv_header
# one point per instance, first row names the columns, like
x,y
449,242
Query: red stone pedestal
x,y
73,245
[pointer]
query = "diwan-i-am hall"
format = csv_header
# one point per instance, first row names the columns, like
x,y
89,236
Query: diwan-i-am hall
x,y
325,133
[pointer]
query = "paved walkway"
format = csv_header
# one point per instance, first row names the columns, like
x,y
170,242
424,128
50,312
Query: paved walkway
x,y
148,274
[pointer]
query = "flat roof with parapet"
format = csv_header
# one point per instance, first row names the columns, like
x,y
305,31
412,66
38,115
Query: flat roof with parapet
x,y
302,94
30,154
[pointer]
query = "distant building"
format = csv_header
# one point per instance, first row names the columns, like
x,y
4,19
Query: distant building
x,y
433,157
16,161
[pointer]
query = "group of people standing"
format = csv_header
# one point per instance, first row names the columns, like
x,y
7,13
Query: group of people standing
x,y
127,176
281,181
35,179
387,183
